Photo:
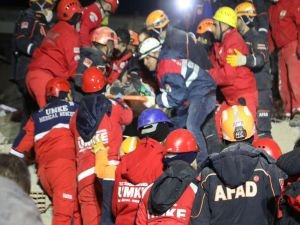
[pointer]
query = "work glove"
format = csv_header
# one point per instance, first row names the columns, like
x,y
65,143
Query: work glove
x,y
237,59
150,101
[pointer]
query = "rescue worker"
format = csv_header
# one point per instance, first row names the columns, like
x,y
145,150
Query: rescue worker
x,y
258,61
240,181
141,167
169,200
157,23
30,29
58,54
104,39
204,34
96,127
186,88
237,84
93,16
47,131
269,145
285,34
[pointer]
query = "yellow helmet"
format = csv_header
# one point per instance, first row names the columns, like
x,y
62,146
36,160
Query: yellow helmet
x,y
237,123
157,19
245,9
226,15
129,145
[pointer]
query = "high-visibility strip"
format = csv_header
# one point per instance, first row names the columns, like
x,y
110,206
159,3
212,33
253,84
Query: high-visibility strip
x,y
43,134
16,153
86,173
194,187
164,100
29,48
193,76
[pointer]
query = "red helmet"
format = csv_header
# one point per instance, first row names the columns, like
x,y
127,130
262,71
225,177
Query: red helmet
x,y
269,145
102,35
67,8
114,5
93,80
180,141
56,85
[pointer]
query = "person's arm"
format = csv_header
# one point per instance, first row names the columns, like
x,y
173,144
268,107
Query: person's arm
x,y
290,162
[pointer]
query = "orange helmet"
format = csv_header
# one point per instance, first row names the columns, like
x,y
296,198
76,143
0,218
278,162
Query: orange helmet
x,y
129,145
56,85
268,145
102,35
93,80
205,26
245,9
180,141
114,5
156,20
67,8
237,123
134,38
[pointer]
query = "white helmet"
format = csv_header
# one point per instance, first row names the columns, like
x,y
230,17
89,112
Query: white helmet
x,y
149,45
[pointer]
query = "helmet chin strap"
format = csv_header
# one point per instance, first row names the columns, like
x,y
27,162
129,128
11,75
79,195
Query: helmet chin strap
x,y
222,32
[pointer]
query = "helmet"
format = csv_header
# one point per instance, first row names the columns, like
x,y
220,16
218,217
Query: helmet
x,y
226,15
245,9
151,116
93,80
180,141
40,5
269,145
134,38
157,19
56,85
67,8
114,5
102,35
149,45
205,26
129,145
237,123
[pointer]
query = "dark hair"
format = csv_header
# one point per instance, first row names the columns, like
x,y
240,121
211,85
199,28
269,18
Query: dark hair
x,y
123,35
15,169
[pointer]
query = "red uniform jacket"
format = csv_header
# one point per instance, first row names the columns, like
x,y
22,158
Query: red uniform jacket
x,y
59,51
135,172
284,19
234,82
48,132
109,131
90,20
178,214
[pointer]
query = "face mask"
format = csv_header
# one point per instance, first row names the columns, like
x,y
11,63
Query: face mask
x,y
48,15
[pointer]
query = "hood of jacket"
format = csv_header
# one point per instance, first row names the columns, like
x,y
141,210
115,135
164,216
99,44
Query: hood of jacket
x,y
90,113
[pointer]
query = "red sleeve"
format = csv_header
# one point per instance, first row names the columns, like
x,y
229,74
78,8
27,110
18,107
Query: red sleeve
x,y
72,53
271,43
121,113
24,142
141,216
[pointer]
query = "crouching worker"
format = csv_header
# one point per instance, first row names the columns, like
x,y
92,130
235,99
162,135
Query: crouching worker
x,y
170,199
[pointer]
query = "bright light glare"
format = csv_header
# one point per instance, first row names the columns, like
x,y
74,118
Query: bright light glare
x,y
184,5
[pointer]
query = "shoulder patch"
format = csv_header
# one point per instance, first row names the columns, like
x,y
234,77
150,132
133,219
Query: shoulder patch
x,y
87,62
24,25
93,17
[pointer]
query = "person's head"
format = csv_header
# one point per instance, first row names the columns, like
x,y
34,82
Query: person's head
x,y
237,124
44,7
58,88
70,11
15,169
205,31
134,41
93,81
269,145
149,51
156,23
225,19
154,123
123,42
246,14
105,40
128,145
109,6
181,144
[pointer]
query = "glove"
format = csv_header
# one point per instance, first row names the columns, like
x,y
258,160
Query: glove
x,y
99,146
150,101
237,59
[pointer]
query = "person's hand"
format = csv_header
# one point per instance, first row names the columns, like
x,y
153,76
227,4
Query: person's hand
x,y
237,59
150,101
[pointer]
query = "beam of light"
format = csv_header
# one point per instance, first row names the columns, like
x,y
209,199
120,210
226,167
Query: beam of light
x,y
184,5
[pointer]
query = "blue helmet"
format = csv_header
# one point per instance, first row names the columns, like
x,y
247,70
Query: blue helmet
x,y
151,116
